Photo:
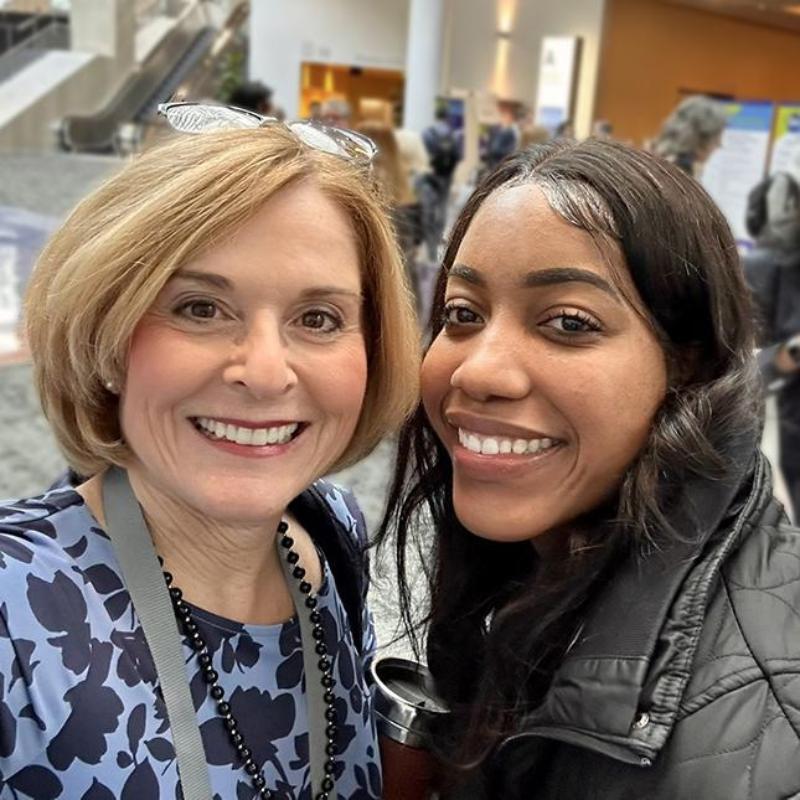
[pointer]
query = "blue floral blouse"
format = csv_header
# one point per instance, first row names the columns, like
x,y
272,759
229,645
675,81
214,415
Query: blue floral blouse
x,y
81,711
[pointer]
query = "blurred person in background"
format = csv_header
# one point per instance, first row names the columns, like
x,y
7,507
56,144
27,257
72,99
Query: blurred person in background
x,y
445,147
212,330
602,129
772,270
504,138
253,96
315,111
565,130
613,588
531,134
337,113
691,133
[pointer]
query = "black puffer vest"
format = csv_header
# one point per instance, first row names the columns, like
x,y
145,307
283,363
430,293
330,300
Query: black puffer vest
x,y
684,683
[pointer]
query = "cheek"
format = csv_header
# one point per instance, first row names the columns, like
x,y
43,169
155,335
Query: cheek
x,y
627,399
152,365
341,382
437,370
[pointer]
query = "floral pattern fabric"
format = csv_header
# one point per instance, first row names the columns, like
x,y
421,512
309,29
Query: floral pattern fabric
x,y
81,711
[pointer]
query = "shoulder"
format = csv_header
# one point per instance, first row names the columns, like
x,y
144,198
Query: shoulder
x,y
738,725
58,592
38,532
761,582
753,616
52,552
744,683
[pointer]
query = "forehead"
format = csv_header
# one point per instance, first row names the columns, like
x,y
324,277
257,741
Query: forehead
x,y
515,230
299,232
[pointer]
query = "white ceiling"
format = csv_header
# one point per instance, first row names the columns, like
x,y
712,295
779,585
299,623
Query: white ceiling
x,y
776,13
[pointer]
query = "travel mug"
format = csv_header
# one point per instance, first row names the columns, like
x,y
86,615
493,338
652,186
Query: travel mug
x,y
405,705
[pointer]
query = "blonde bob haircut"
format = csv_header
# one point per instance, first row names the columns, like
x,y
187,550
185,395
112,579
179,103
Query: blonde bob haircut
x,y
101,272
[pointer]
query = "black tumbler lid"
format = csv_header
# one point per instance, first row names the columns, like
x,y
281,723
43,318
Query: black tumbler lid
x,y
405,699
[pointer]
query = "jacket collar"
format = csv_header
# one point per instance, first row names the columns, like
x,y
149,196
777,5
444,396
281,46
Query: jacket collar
x,y
611,673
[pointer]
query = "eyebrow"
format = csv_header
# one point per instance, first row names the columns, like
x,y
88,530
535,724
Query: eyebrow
x,y
211,278
221,282
542,277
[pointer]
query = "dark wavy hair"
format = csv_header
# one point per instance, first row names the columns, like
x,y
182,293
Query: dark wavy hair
x,y
497,625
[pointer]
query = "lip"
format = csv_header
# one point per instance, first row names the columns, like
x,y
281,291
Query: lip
x,y
502,466
493,427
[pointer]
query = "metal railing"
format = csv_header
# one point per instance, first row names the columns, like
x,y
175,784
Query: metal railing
x,y
52,36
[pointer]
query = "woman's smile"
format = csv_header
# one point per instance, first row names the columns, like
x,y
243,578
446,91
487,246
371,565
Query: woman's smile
x,y
249,439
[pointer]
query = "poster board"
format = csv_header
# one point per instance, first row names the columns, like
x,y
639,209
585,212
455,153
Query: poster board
x,y
786,140
558,78
740,162
22,236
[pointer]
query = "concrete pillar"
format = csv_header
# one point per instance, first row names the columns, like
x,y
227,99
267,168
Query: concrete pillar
x,y
424,52
105,27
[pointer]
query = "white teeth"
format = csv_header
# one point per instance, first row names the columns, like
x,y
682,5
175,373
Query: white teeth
x,y
493,445
244,436
490,447
257,437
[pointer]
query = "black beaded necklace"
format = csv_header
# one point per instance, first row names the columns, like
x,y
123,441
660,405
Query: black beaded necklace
x,y
211,677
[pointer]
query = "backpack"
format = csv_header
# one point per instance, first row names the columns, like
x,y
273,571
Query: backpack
x,y
756,213
443,153
346,557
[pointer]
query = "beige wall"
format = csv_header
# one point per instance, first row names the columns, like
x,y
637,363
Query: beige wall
x,y
286,33
373,33
480,60
653,50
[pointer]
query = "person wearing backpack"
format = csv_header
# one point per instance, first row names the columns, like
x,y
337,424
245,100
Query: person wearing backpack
x,y
772,270
445,150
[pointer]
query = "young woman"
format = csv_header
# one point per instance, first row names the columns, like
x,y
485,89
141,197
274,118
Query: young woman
x,y
613,588
213,330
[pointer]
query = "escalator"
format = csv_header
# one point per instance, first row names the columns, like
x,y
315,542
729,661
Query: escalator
x,y
184,52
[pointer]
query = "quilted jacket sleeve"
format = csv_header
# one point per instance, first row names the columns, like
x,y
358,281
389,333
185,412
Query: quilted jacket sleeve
x,y
738,734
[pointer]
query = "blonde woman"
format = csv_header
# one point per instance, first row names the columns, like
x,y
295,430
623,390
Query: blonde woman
x,y
213,330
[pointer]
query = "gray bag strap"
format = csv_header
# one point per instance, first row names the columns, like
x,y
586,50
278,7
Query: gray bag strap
x,y
144,580
317,740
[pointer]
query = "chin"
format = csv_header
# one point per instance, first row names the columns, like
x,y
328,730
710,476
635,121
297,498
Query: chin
x,y
238,501
500,527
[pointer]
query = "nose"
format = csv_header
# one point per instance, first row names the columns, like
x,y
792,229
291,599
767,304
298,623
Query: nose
x,y
261,361
492,368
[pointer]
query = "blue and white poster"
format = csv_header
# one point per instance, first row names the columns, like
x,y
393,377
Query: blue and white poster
x,y
22,236
786,140
740,162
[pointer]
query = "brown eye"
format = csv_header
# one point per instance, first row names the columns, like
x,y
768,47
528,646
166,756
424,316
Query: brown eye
x,y
572,322
320,321
202,309
198,310
454,315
